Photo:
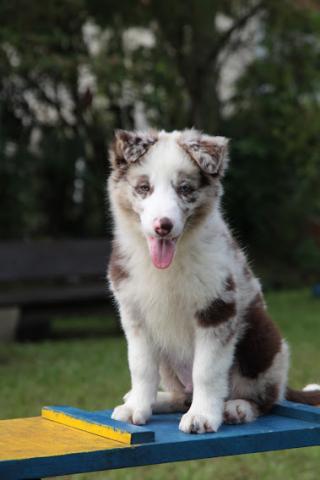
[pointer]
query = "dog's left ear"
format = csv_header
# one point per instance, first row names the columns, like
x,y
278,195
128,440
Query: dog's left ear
x,y
209,152
128,147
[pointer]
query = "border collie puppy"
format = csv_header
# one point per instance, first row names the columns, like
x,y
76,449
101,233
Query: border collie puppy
x,y
192,310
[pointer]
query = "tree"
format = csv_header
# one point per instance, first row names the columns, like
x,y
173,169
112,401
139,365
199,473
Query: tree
x,y
46,118
71,71
275,177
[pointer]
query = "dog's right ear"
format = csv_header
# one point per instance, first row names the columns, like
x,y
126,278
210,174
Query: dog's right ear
x,y
128,147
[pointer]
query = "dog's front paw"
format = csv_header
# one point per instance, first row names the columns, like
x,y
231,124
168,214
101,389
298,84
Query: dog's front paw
x,y
193,422
129,414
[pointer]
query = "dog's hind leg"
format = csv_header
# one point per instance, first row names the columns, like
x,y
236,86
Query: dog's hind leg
x,y
172,402
168,378
240,411
174,398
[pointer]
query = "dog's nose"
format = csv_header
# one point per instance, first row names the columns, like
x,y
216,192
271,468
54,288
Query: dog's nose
x,y
162,226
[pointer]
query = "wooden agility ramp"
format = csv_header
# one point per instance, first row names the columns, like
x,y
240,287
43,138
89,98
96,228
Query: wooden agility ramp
x,y
65,440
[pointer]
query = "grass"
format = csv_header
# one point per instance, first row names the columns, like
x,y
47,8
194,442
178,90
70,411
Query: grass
x,y
92,373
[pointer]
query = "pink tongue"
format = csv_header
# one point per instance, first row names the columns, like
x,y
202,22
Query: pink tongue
x,y
161,251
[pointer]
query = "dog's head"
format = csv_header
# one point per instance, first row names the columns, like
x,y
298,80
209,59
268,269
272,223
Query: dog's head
x,y
167,183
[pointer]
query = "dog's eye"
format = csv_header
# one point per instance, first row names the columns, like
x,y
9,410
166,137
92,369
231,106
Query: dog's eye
x,y
143,188
185,189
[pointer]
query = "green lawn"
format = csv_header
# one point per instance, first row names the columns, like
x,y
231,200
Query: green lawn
x,y
92,373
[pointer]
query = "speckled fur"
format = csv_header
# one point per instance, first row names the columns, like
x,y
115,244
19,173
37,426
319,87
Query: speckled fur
x,y
184,324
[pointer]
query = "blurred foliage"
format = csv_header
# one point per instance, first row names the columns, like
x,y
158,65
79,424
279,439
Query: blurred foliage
x,y
274,185
72,71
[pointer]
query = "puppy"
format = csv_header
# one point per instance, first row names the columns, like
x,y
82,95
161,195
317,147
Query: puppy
x,y
192,310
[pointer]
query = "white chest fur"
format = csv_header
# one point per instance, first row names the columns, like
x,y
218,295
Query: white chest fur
x,y
167,300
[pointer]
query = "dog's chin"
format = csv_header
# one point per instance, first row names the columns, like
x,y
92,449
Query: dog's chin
x,y
162,251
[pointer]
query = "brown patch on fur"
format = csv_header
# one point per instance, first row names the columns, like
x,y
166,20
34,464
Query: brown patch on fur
x,y
214,150
191,199
127,148
116,271
116,154
266,401
208,155
117,160
198,215
230,284
311,397
216,313
260,343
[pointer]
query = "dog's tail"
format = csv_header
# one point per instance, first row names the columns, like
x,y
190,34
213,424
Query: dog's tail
x,y
310,395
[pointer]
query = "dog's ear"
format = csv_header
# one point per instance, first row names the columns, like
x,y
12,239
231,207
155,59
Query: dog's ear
x,y
128,147
209,152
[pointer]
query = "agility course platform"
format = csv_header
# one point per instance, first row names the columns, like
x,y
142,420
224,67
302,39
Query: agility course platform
x,y
65,440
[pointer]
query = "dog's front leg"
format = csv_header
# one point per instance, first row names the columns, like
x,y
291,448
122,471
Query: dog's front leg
x,y
211,367
144,370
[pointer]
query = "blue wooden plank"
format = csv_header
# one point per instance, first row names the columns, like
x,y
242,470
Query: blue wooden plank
x,y
270,432
138,434
148,454
297,410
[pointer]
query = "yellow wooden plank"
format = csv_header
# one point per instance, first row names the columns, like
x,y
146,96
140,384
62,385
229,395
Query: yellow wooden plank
x,y
37,437
102,430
